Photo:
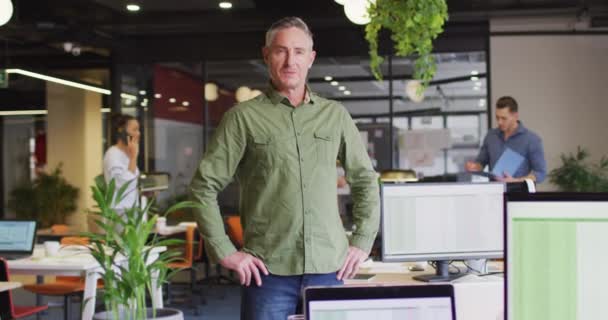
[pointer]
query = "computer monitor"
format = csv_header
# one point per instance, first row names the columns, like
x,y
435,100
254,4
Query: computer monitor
x,y
441,222
380,303
556,256
17,237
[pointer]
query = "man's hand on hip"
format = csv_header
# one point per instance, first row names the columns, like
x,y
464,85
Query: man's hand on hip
x,y
246,265
354,258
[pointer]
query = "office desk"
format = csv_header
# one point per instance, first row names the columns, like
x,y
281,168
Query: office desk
x,y
5,286
476,298
75,263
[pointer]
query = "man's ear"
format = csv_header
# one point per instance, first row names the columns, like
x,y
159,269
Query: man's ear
x,y
265,52
312,60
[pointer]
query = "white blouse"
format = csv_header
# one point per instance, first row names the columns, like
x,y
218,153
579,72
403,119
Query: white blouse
x,y
116,166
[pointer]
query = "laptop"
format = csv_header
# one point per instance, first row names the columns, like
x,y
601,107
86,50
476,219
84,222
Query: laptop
x,y
380,302
17,238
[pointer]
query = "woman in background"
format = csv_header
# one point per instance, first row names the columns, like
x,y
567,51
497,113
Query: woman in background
x,y
120,160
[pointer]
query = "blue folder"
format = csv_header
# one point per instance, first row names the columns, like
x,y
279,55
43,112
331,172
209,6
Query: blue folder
x,y
508,162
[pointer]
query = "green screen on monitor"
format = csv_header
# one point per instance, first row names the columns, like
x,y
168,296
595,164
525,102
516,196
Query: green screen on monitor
x,y
557,254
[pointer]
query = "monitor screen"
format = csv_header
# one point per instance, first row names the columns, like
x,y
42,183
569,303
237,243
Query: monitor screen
x,y
442,221
380,303
555,256
17,236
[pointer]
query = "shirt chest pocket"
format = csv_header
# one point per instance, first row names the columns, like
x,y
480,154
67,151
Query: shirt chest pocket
x,y
271,151
325,144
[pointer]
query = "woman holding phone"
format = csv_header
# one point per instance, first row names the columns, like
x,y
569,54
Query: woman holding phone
x,y
120,160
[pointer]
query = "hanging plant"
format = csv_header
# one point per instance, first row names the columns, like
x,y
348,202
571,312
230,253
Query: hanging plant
x,y
413,24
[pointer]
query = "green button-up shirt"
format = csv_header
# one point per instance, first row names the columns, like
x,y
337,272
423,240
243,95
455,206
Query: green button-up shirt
x,y
284,159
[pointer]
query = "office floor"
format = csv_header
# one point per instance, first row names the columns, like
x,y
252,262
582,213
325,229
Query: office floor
x,y
223,303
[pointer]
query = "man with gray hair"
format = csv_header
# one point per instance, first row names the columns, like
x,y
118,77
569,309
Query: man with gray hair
x,y
282,147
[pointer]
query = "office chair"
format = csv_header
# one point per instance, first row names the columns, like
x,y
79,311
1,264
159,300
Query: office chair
x,y
7,309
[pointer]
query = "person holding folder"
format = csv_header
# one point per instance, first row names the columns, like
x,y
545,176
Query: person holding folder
x,y
513,152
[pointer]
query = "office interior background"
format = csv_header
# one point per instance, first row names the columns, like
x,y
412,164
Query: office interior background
x,y
178,66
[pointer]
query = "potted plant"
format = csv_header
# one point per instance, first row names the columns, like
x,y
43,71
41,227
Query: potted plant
x,y
48,199
127,234
577,175
413,24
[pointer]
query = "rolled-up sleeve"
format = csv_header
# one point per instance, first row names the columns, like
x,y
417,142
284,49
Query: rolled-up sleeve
x,y
214,173
363,181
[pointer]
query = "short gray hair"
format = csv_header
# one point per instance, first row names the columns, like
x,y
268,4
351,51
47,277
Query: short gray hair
x,y
284,23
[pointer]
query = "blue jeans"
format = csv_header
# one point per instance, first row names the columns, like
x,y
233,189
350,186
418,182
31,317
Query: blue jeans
x,y
280,296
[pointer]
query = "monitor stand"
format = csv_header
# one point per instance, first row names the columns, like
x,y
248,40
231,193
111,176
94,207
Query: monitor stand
x,y
442,273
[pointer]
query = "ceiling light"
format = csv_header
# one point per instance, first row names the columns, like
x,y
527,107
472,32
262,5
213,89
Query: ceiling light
x,y
328,78
413,91
142,92
172,100
133,7
347,93
474,72
158,95
478,83
225,5
341,88
474,78
59,81
23,112
482,102
356,10
243,93
254,93
6,11
185,103
211,91
334,83
128,102
476,88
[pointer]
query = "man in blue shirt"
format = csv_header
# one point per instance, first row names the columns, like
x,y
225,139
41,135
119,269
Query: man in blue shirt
x,y
511,136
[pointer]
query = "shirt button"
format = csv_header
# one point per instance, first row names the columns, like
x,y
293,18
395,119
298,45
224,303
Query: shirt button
x,y
308,240
301,159
304,185
299,133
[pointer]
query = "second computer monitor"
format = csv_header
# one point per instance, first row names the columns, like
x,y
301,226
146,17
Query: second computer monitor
x,y
442,222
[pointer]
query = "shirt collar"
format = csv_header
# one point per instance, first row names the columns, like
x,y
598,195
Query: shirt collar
x,y
276,97
520,129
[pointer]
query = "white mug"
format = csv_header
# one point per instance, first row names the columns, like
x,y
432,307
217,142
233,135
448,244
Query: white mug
x,y
51,248
161,223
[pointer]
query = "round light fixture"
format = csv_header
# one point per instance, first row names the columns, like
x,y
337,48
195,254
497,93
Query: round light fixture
x,y
474,78
225,5
172,100
474,72
185,103
328,78
356,11
334,83
142,92
211,91
6,11
242,93
133,7
158,95
254,93
341,88
347,93
411,90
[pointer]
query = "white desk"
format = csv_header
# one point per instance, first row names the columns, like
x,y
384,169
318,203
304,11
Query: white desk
x,y
75,263
5,286
476,298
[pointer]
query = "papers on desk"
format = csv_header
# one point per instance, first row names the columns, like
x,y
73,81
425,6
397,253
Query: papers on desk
x,y
508,162
370,266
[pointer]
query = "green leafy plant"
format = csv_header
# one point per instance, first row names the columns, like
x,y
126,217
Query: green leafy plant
x,y
128,234
413,24
48,199
577,175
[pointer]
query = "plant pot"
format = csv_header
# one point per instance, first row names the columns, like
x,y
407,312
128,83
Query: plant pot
x,y
161,314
